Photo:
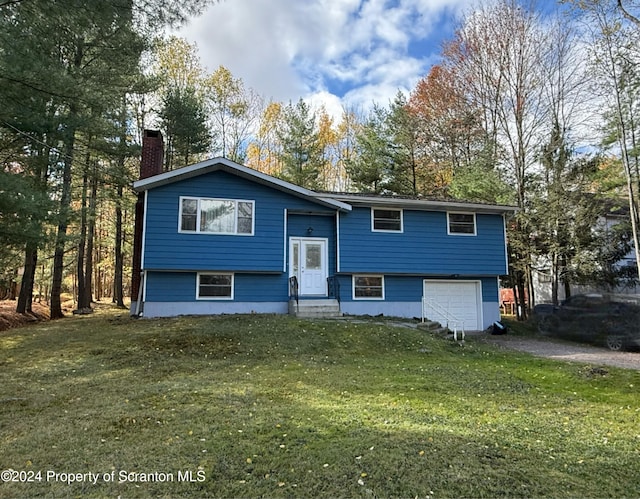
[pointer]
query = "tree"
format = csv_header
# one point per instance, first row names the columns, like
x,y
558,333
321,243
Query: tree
x,y
76,57
614,61
233,110
346,147
63,66
176,65
264,151
181,92
184,124
406,175
455,157
564,214
372,160
301,152
506,58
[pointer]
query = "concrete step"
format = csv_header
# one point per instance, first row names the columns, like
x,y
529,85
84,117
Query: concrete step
x,y
433,327
315,308
427,324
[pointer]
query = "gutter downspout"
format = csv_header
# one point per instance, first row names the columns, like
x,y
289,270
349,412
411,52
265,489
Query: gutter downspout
x,y
143,279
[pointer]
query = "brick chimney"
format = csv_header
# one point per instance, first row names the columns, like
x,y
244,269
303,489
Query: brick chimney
x,y
152,154
150,165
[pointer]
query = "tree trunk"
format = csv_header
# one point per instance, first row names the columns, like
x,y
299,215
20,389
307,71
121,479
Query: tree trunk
x,y
63,222
28,278
91,229
555,278
118,292
82,243
523,312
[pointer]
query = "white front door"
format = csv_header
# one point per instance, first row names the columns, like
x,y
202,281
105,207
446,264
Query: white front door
x,y
308,262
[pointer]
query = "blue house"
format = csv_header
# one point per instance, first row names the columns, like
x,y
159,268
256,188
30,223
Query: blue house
x,y
217,237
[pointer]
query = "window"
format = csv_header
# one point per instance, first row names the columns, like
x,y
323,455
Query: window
x,y
368,287
216,216
386,220
215,287
462,223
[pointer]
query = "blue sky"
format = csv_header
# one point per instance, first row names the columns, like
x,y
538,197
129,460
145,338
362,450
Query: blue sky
x,y
331,52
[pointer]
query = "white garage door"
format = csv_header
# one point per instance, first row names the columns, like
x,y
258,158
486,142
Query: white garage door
x,y
461,299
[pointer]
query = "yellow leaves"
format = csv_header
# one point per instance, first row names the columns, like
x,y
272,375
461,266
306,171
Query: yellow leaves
x,y
178,63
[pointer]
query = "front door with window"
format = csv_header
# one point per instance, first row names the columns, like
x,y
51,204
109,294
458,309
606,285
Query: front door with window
x,y
308,262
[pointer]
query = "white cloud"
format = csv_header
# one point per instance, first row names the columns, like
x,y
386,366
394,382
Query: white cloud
x,y
349,51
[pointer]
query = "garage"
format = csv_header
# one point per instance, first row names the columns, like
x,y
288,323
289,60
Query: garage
x,y
460,299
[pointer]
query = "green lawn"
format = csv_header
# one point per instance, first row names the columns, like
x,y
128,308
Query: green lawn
x,y
249,406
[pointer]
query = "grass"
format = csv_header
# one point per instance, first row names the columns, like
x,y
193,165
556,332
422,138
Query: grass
x,y
249,406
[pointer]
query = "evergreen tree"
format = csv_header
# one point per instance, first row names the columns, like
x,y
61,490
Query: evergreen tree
x,y
184,124
405,175
368,167
301,154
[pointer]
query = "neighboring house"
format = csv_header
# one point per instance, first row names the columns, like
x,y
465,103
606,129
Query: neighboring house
x,y
612,214
218,237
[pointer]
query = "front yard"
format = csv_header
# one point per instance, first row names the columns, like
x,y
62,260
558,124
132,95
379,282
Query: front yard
x,y
248,406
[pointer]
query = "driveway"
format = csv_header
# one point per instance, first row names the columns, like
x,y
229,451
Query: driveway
x,y
563,350
548,347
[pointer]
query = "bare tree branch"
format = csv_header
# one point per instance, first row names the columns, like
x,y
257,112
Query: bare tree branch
x,y
627,15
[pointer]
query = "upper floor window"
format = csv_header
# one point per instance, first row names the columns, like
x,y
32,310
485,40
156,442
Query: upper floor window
x,y
216,216
386,220
462,223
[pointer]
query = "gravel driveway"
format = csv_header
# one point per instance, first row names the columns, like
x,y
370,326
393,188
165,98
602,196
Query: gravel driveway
x,y
562,350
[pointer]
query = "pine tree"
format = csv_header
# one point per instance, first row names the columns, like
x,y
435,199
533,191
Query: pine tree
x,y
301,153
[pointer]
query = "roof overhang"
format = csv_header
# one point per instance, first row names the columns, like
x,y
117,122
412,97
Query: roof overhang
x,y
224,164
419,204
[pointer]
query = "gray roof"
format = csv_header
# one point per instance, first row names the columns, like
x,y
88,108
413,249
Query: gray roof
x,y
336,200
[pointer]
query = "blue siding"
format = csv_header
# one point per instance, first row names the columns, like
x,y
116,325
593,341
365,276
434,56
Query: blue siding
x,y
424,247
409,288
181,287
167,249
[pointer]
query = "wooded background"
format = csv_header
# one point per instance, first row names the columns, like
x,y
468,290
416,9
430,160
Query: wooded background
x,y
533,110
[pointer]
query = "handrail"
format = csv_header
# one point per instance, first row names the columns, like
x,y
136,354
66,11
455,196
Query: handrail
x,y
333,286
293,290
452,321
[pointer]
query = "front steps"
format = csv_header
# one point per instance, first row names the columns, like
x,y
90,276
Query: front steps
x,y
433,327
316,309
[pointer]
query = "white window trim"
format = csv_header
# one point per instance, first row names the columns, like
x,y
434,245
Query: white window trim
x,y
373,229
366,298
475,224
216,298
198,231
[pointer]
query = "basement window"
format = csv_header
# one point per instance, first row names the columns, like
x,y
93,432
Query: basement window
x,y
368,287
215,287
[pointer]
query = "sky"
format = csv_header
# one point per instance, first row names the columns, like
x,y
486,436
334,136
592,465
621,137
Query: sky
x,y
350,53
